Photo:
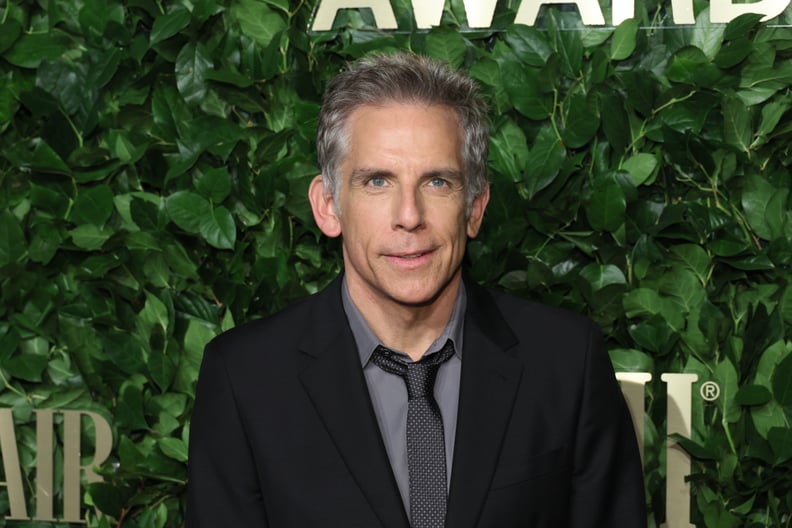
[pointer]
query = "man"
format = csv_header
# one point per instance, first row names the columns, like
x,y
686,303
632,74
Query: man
x,y
303,419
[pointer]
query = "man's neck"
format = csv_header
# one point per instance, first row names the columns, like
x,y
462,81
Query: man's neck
x,y
410,329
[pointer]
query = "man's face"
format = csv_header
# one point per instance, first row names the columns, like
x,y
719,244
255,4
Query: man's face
x,y
402,204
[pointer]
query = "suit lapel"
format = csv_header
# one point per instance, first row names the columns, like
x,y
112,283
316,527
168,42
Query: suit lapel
x,y
489,383
333,378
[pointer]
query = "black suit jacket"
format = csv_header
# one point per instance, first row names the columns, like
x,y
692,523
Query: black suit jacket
x,y
283,432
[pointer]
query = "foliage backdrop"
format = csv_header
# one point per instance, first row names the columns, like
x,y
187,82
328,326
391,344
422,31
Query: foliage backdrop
x,y
154,161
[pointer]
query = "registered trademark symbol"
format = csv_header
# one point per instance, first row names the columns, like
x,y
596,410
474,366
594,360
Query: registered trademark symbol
x,y
710,390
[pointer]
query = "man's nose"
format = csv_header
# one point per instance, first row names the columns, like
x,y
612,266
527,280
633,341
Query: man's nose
x,y
409,209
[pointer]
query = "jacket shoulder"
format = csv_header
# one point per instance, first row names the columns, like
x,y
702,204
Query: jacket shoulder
x,y
282,331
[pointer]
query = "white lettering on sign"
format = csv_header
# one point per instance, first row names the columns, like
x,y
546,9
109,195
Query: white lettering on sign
x,y
479,13
45,450
679,414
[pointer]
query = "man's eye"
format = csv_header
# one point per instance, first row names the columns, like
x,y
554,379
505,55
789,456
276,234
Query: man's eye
x,y
438,182
377,181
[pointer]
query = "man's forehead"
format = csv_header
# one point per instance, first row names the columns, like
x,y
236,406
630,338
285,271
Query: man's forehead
x,y
386,125
397,105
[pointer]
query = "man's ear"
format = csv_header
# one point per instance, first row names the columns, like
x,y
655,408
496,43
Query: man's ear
x,y
324,208
477,209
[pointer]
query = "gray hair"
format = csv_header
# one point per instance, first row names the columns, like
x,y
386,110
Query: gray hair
x,y
403,78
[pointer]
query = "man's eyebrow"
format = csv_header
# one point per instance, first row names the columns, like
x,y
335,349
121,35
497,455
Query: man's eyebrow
x,y
449,174
366,172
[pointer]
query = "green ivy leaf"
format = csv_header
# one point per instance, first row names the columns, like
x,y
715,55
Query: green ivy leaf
x,y
782,385
214,184
624,39
522,86
685,64
529,44
631,360
126,352
785,305
96,15
145,214
695,259
174,448
706,36
770,415
257,20
187,210
740,26
641,167
654,334
215,134
154,313
771,116
694,449
780,439
12,239
44,244
726,374
110,497
569,47
42,158
647,302
167,111
90,236
734,52
487,72
32,48
684,289
607,206
196,337
218,228
510,149
616,127
167,25
197,308
28,367
600,276
162,366
737,124
770,76
750,395
764,206
447,45
9,103
192,63
93,205
12,29
582,121
544,160
129,410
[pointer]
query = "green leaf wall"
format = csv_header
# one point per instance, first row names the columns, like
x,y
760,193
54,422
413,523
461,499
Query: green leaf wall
x,y
154,162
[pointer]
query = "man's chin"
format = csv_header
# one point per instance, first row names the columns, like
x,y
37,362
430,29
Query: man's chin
x,y
420,297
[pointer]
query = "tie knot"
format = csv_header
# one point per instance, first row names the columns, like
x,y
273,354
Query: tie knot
x,y
419,376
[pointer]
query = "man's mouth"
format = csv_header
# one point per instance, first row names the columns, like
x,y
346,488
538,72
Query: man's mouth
x,y
413,256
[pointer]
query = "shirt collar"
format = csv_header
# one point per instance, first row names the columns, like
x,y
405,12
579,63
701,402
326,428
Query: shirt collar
x,y
367,341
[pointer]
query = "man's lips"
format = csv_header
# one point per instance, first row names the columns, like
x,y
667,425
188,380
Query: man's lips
x,y
410,257
410,254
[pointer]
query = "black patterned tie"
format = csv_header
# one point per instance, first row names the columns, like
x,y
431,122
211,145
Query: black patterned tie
x,y
426,459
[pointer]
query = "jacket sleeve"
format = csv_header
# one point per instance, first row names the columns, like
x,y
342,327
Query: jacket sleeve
x,y
223,487
607,486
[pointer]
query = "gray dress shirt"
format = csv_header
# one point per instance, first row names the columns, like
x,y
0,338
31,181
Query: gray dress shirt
x,y
389,393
